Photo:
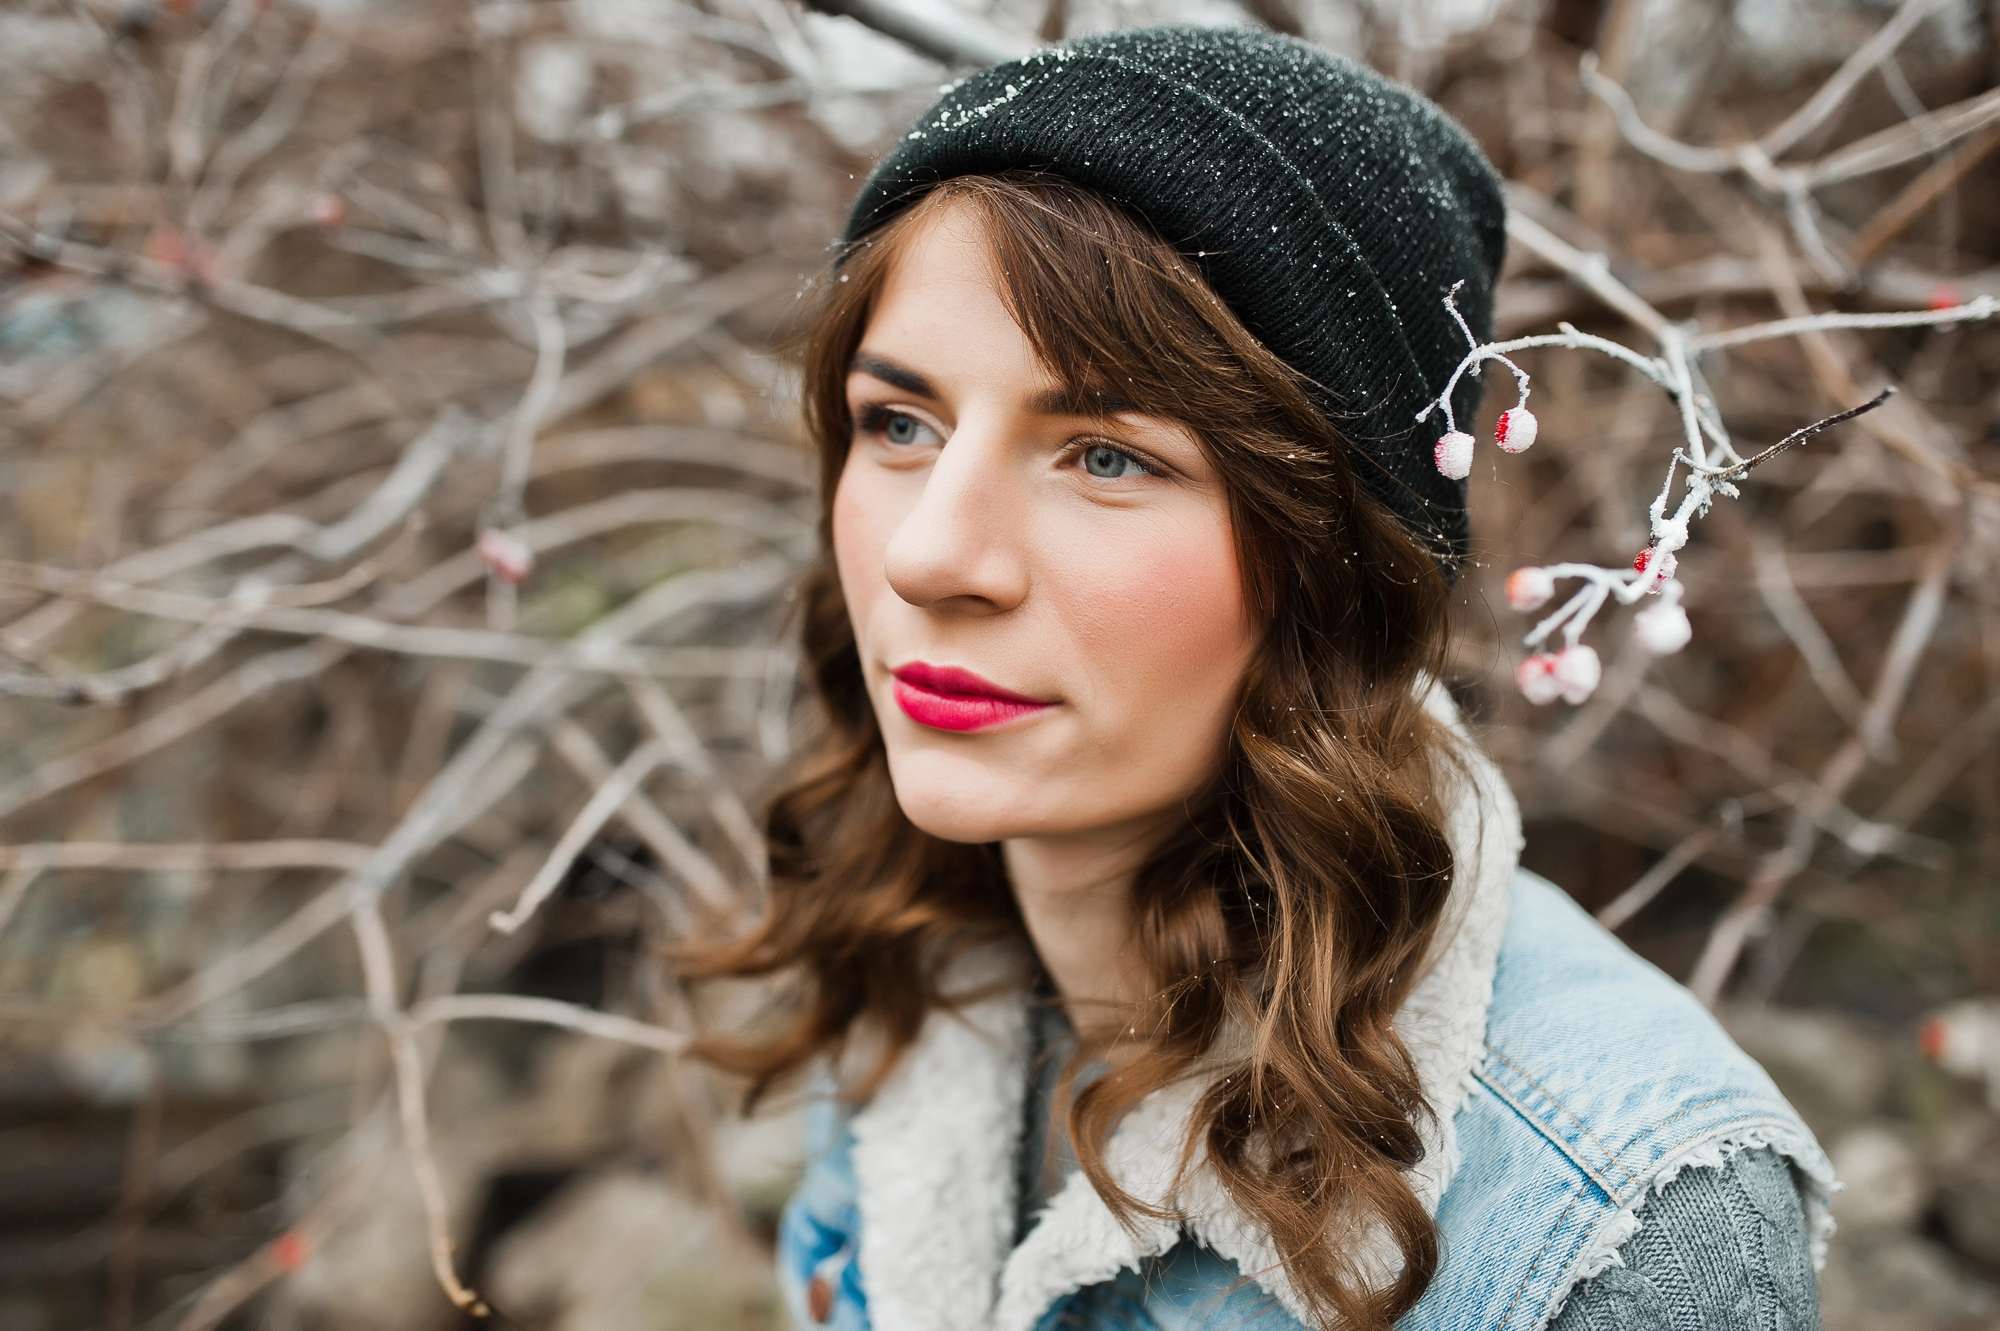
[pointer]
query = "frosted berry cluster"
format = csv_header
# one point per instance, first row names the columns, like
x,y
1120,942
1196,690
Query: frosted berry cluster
x,y
1573,673
1713,466
1515,433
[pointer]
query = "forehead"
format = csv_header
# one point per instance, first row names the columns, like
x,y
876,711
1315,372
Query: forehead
x,y
943,253
940,306
943,297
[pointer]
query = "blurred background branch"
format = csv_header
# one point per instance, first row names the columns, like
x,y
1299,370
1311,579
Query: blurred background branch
x,y
400,492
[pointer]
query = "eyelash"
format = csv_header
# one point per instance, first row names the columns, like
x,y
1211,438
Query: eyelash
x,y
875,417
1078,449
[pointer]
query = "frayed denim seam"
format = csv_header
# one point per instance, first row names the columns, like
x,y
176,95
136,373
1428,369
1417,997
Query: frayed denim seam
x,y
1616,1198
1775,1112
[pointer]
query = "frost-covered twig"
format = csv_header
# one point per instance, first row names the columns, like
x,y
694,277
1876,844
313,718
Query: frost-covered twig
x,y
1971,311
1573,673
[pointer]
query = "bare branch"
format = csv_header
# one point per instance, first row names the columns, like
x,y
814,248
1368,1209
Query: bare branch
x,y
548,1012
183,718
608,799
1905,142
200,856
1780,137
1655,880
943,32
1815,648
1733,929
1917,196
575,746
378,967
323,50
586,653
1591,271
686,751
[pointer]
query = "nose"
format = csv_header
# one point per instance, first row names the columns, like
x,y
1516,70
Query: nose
x,y
961,546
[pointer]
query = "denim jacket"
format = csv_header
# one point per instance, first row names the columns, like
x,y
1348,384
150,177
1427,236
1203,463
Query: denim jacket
x,y
1575,1078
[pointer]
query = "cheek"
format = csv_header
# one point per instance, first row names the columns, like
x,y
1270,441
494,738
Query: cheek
x,y
860,536
1166,626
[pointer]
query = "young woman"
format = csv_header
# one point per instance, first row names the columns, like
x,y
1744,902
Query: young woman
x,y
1158,933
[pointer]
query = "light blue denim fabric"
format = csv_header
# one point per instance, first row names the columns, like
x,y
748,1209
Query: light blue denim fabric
x,y
1189,1289
1601,1075
821,1228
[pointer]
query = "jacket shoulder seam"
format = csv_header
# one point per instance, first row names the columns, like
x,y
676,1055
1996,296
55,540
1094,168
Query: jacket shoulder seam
x,y
1760,1105
1612,1156
1569,1152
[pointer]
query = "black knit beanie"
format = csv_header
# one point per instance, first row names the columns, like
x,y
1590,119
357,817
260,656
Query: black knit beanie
x,y
1330,208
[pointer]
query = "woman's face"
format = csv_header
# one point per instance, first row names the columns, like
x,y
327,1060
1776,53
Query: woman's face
x,y
1045,591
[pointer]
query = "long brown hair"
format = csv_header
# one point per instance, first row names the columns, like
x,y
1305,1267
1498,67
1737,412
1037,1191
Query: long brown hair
x,y
1300,897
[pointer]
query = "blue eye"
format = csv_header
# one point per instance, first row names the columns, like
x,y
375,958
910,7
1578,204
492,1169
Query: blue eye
x,y
896,427
1110,463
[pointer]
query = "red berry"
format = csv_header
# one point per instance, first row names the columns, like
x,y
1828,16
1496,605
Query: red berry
x,y
508,556
326,211
1454,455
1536,678
1660,563
1529,588
1662,629
1516,429
289,1250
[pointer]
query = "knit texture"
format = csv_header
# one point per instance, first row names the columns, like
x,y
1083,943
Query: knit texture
x,y
1724,1249
1331,209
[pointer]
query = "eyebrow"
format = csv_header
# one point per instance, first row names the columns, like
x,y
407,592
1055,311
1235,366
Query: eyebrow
x,y
896,376
1069,400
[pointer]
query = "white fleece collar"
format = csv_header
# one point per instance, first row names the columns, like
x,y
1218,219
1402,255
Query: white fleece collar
x,y
934,1151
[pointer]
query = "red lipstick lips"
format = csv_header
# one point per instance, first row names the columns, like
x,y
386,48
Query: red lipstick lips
x,y
948,698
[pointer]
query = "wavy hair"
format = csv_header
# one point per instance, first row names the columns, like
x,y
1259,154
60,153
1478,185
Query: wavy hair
x,y
1297,903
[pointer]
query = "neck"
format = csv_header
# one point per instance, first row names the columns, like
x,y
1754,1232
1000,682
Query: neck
x,y
1075,894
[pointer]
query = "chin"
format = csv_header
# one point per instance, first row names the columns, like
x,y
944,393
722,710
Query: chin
x,y
957,800
957,815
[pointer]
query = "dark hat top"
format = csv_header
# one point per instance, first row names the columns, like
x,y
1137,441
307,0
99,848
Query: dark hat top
x,y
1331,209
